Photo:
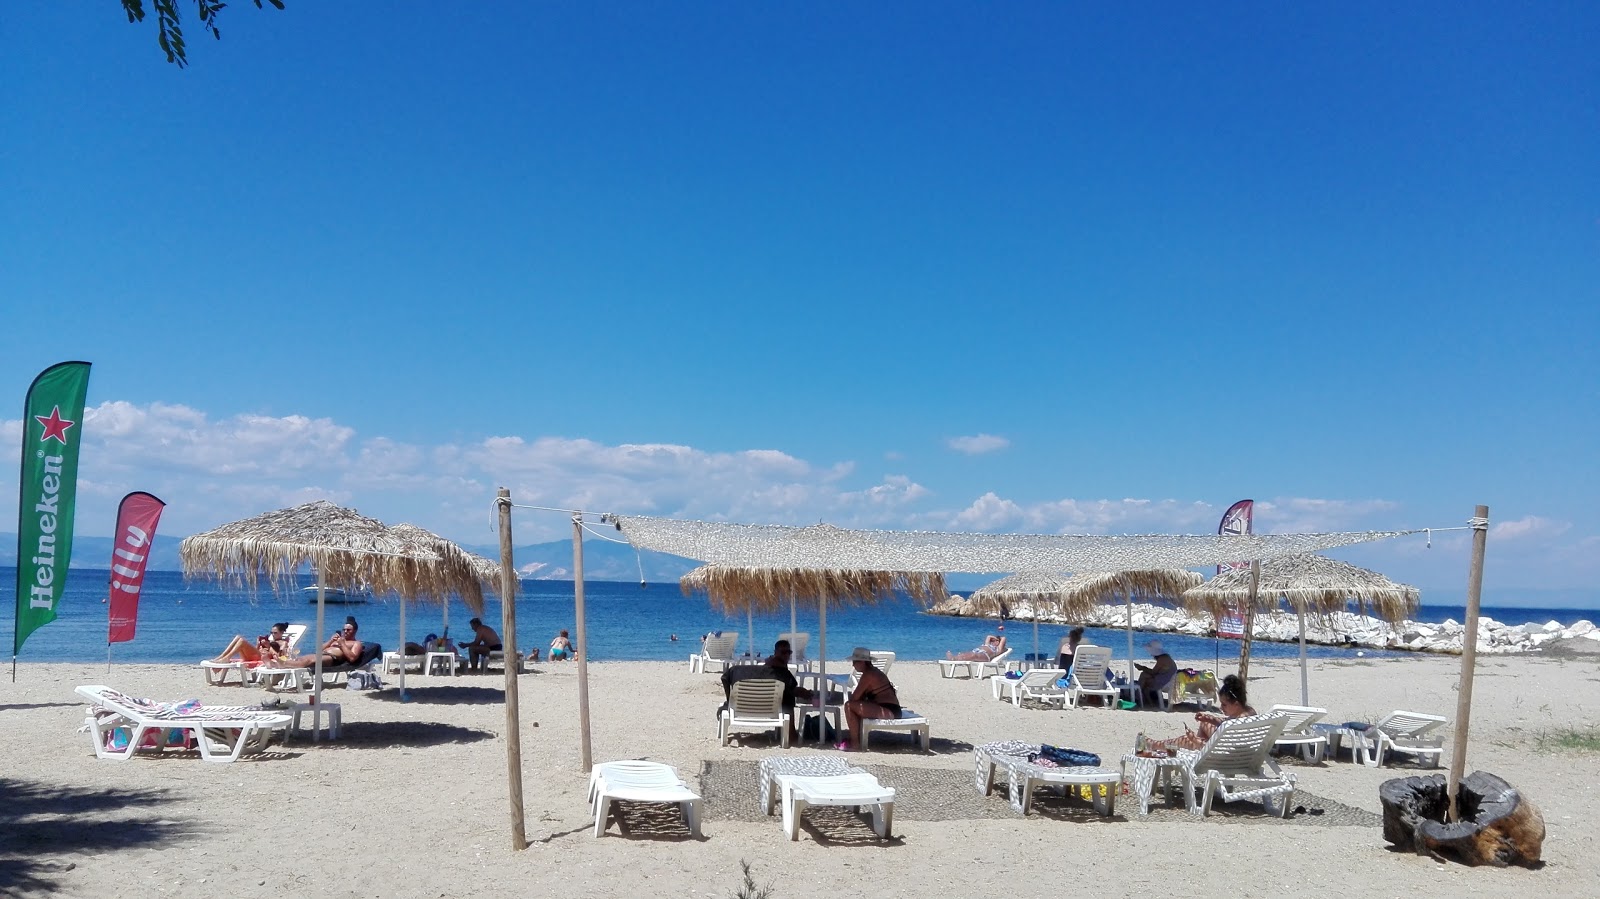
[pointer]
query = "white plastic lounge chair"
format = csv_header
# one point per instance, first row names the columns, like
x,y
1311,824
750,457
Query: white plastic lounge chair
x,y
216,673
1088,676
798,641
754,705
774,766
909,722
634,770
1038,683
394,661
996,665
859,790
716,650
119,724
1024,777
1401,731
640,782
882,659
1298,733
1236,763
953,668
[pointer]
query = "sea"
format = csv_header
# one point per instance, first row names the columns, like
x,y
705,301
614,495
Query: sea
x,y
183,621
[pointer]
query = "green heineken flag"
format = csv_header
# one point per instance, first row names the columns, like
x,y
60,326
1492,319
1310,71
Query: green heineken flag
x,y
52,431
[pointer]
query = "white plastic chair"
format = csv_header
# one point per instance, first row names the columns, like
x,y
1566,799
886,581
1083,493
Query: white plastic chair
x,y
716,650
798,641
1297,733
882,659
1236,763
754,705
1038,683
1411,733
1088,676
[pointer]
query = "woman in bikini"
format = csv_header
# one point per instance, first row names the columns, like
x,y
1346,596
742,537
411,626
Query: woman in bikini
x,y
874,696
1231,697
991,647
265,649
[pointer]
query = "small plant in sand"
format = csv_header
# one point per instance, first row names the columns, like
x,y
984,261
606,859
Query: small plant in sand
x,y
1585,738
749,890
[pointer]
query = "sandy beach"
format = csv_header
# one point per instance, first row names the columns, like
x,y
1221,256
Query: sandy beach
x,y
412,800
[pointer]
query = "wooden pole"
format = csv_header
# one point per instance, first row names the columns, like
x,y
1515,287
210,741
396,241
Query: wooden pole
x,y
1305,685
582,647
1469,660
1249,618
513,663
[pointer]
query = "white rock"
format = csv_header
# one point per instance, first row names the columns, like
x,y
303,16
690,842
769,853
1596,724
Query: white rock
x,y
1551,627
1579,628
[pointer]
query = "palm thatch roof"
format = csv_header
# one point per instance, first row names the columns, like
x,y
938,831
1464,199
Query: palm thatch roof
x,y
347,548
1311,583
1075,596
484,572
734,588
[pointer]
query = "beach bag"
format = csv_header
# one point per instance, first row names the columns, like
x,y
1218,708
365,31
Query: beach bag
x,y
364,680
809,732
1065,758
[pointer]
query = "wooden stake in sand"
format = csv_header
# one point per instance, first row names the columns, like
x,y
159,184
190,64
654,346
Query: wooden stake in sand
x,y
1469,660
513,664
581,648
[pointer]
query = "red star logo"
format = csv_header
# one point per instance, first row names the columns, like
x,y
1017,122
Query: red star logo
x,y
55,427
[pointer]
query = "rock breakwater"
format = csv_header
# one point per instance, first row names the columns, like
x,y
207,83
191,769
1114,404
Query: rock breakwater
x,y
1339,629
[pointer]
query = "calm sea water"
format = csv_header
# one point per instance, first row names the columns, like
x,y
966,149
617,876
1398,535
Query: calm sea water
x,y
183,621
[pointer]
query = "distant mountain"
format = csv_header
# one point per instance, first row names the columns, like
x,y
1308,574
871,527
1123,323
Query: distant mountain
x,y
602,559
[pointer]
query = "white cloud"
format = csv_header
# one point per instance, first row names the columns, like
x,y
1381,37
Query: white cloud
x,y
215,469
1529,527
977,444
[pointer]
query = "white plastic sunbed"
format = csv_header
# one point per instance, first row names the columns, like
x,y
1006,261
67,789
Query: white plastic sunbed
x,y
221,733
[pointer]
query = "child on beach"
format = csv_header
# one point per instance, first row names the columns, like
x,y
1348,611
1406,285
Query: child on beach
x,y
561,647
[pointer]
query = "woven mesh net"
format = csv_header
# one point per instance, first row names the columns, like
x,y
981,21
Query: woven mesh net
x,y
829,547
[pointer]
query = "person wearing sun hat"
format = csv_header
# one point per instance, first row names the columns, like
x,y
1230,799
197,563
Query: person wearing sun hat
x,y
873,697
1153,677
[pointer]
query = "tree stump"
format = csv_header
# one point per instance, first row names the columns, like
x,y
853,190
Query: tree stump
x,y
1497,825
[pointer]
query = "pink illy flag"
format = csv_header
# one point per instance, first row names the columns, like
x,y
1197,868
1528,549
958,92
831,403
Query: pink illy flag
x,y
137,518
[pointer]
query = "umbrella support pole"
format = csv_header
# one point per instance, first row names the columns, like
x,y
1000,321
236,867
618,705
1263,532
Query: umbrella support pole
x,y
1469,661
582,650
1305,685
508,640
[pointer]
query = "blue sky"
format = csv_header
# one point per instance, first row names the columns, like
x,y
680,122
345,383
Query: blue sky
x,y
1055,268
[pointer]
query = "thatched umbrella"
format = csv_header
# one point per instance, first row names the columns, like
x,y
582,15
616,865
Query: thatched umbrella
x,y
1074,596
734,587
1312,584
346,549
468,568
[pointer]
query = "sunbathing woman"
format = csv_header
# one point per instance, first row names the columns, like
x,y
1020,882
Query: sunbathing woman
x,y
1231,697
992,646
265,649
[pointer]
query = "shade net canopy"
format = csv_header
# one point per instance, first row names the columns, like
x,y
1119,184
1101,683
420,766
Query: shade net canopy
x,y
830,548
1074,596
1310,583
